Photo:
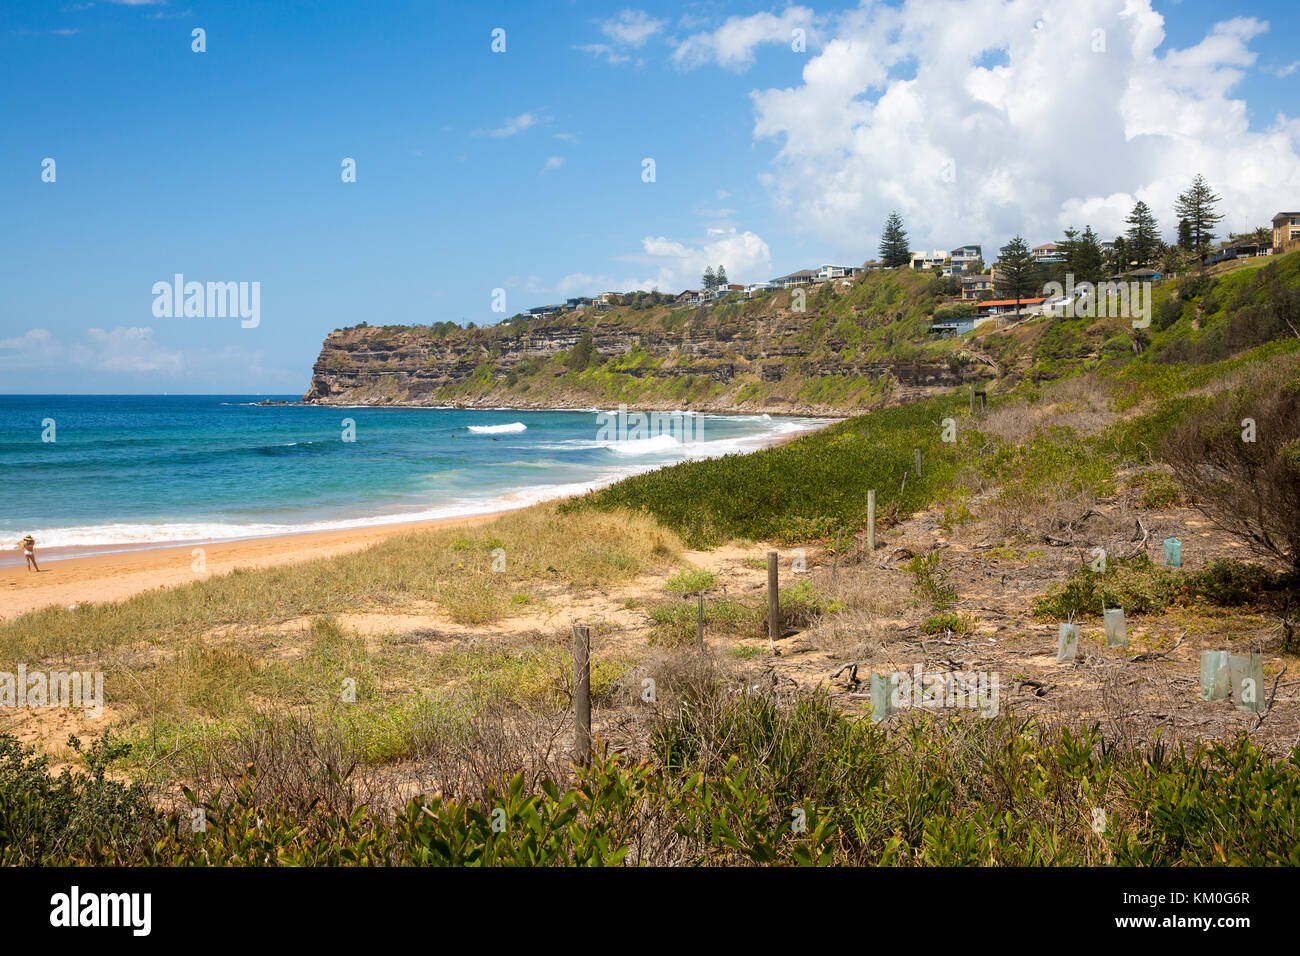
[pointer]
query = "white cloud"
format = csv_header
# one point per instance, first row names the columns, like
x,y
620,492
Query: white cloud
x,y
37,345
611,55
124,349
512,125
672,265
1281,72
628,31
631,28
732,45
553,163
980,120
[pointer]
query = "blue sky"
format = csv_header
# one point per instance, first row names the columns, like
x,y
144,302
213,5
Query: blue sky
x,y
522,170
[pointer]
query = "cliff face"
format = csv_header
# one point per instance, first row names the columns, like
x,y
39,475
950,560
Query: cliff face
x,y
745,356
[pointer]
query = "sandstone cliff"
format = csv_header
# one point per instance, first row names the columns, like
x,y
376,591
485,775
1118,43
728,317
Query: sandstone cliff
x,y
852,347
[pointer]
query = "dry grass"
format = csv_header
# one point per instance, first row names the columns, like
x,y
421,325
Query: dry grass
x,y
1079,403
541,550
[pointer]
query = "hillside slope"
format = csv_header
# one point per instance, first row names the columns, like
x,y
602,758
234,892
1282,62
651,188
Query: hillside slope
x,y
854,347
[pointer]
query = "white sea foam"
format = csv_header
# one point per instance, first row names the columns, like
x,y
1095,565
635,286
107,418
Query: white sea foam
x,y
658,445
498,429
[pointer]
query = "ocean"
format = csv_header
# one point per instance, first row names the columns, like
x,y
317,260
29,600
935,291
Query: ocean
x,y
132,471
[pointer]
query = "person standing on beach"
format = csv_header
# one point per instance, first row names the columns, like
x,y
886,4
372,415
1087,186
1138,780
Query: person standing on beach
x,y
29,544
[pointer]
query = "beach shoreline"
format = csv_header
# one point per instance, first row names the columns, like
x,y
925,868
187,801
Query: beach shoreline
x,y
125,570
117,576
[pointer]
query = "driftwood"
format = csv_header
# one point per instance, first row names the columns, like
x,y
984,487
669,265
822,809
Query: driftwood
x,y
852,668
1141,546
1040,689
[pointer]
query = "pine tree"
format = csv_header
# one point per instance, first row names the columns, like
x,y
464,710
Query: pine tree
x,y
1091,264
1173,259
1184,235
1017,272
1117,261
721,277
893,243
1084,259
1197,207
709,279
1143,234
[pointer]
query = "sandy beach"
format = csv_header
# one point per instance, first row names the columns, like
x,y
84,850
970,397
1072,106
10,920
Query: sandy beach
x,y
113,577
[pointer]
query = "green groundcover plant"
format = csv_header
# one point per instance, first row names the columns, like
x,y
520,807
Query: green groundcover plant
x,y
727,780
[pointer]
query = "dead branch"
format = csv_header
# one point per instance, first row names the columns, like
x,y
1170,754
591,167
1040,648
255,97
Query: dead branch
x,y
1158,655
1271,698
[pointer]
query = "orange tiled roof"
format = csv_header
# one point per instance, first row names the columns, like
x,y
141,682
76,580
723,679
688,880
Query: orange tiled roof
x,y
1013,301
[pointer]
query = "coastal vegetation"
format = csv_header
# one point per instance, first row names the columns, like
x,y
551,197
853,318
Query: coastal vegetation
x,y
382,707
731,781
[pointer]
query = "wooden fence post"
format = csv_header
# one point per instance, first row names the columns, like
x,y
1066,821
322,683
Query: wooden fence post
x,y
581,693
699,623
871,520
773,602
918,462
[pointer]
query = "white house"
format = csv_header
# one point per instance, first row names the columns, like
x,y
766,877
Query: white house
x,y
1048,252
964,259
921,260
802,277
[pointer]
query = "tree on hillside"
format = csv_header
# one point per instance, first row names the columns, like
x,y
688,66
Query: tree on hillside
x,y
1082,258
1117,260
1184,235
1087,262
581,354
1248,482
1017,272
894,252
1197,206
722,277
709,279
1143,234
1172,260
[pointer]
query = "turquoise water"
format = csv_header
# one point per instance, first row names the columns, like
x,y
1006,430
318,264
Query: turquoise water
x,y
132,471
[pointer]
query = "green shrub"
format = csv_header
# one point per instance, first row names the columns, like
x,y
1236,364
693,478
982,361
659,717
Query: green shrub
x,y
946,621
1141,587
930,580
1231,583
804,490
687,580
82,818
